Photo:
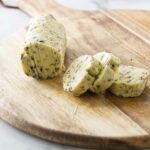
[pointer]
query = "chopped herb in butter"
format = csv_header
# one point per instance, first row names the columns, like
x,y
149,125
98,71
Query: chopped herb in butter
x,y
81,74
44,49
130,82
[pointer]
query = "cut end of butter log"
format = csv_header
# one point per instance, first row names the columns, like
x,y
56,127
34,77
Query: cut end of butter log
x,y
81,74
105,79
130,82
44,48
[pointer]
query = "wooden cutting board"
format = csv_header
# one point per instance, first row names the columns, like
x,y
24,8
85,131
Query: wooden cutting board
x,y
136,21
43,109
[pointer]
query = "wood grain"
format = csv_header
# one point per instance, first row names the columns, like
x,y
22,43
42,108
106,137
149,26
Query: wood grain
x,y
138,22
43,109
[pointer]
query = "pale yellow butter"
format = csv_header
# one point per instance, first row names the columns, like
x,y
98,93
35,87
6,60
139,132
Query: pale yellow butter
x,y
110,64
45,46
81,74
130,82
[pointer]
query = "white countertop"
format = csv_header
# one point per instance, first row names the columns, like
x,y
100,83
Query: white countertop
x,y
107,4
11,20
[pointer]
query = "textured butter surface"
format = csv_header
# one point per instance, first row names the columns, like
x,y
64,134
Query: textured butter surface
x,y
103,81
45,46
81,74
110,64
130,82
108,59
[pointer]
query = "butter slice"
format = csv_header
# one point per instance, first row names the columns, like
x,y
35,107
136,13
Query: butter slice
x,y
81,74
130,82
110,64
108,59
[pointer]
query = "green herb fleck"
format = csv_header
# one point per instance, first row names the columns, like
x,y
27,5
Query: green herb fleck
x,y
41,41
41,69
98,86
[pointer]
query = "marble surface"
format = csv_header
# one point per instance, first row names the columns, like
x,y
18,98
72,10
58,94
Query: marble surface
x,y
107,4
12,20
13,139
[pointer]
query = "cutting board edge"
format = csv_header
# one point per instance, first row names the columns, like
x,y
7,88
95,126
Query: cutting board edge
x,y
74,139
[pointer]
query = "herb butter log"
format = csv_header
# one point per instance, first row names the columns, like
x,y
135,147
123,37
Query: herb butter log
x,y
81,74
44,49
110,64
130,82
